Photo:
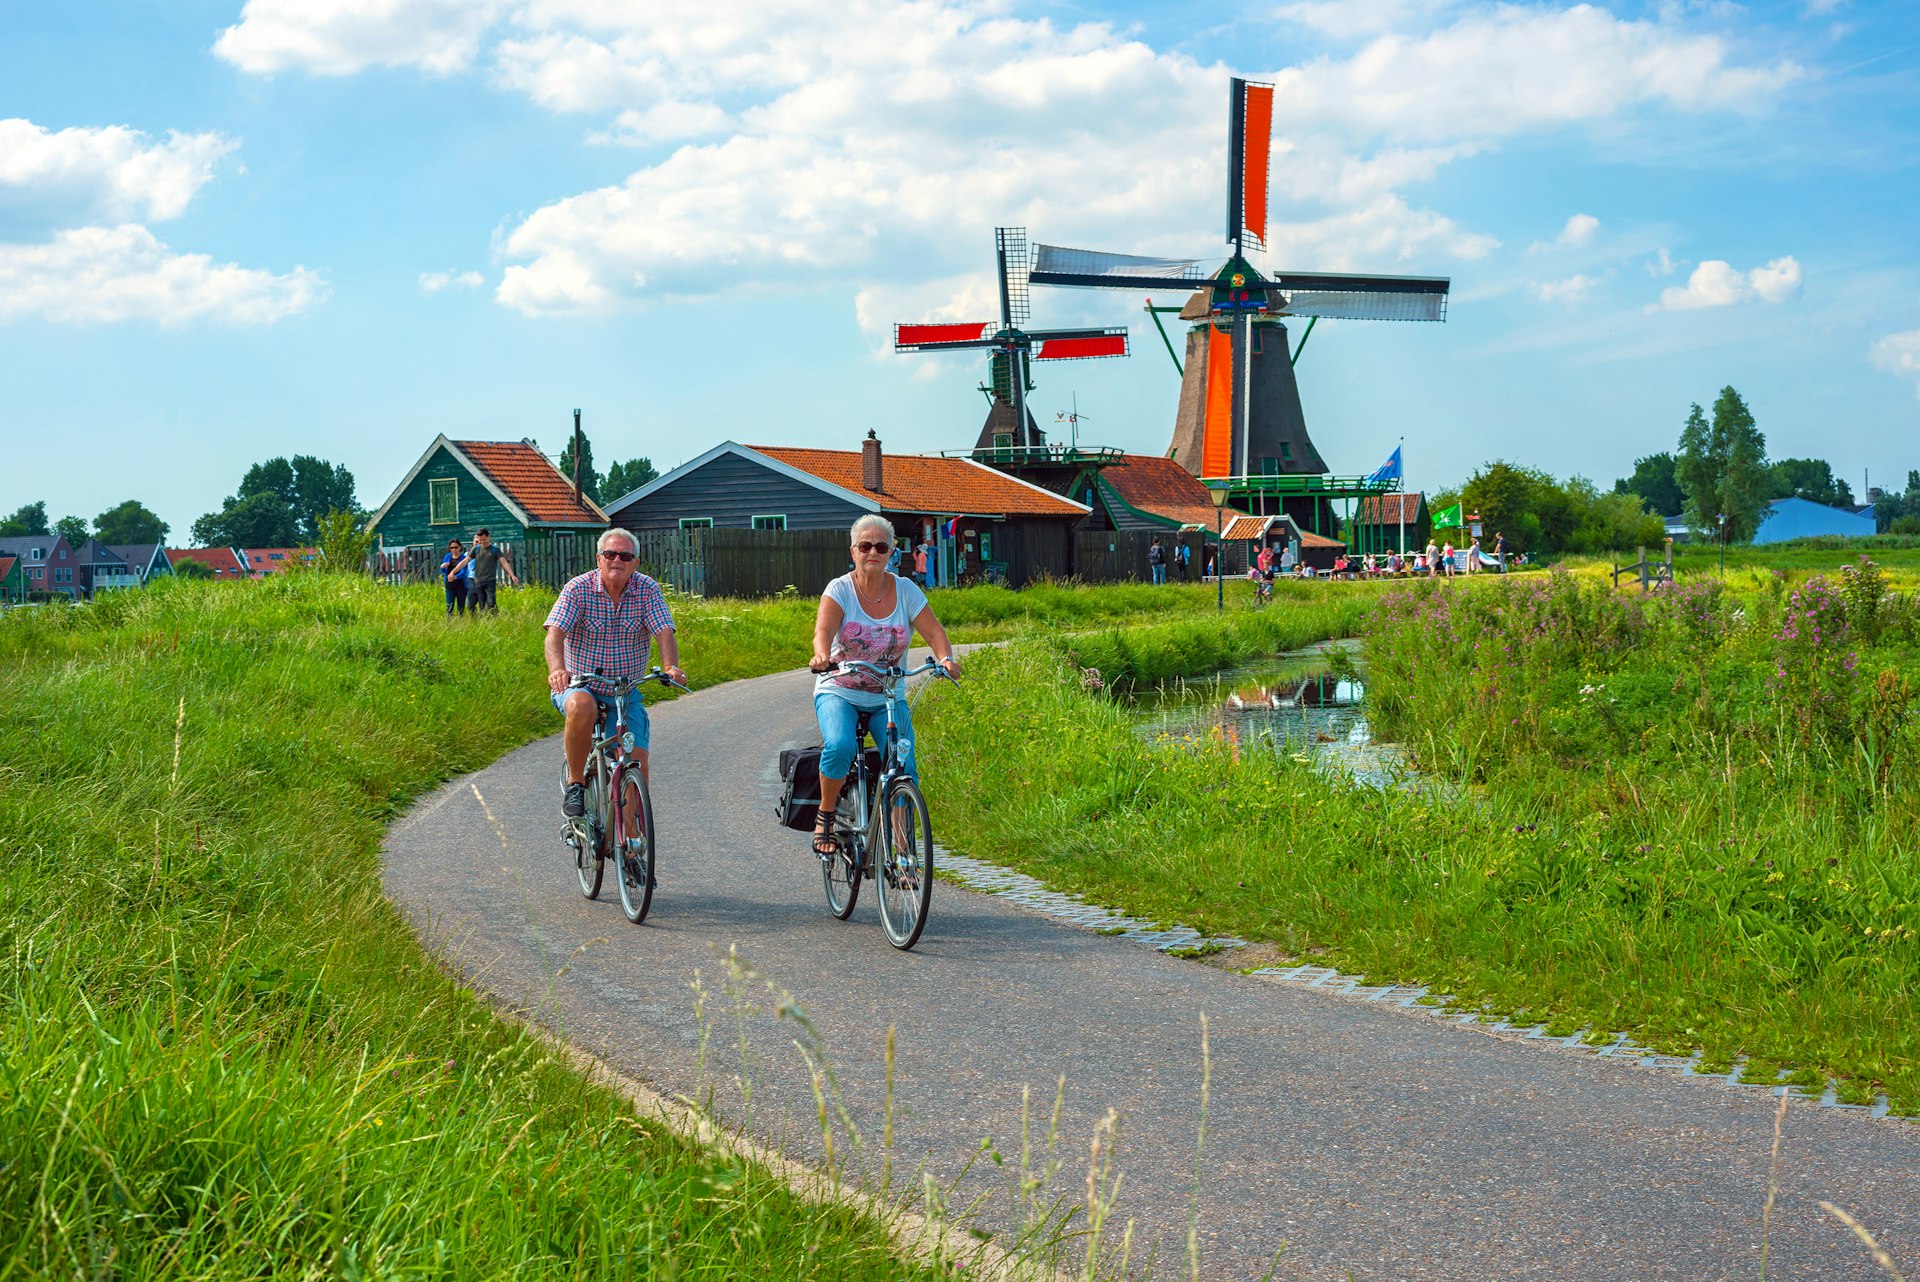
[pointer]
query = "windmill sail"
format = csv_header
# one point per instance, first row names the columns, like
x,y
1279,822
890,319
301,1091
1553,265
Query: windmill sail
x,y
1056,265
1250,147
1391,298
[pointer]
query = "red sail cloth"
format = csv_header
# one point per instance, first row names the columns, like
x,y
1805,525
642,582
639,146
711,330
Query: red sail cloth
x,y
1066,349
914,335
1216,436
1258,145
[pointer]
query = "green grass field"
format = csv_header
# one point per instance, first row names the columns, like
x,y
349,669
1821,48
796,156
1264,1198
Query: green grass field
x,y
1671,818
222,1053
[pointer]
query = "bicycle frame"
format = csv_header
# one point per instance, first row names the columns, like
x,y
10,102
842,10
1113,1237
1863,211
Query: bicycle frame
x,y
601,833
893,755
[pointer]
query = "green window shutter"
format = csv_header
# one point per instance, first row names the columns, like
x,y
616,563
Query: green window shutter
x,y
443,501
696,523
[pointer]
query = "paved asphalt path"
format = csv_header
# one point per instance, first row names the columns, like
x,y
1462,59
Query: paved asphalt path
x,y
1371,1141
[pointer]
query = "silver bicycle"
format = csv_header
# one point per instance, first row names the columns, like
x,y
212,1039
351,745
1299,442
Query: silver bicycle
x,y
618,823
880,827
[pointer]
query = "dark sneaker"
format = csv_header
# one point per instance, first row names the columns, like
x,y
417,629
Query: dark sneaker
x,y
576,803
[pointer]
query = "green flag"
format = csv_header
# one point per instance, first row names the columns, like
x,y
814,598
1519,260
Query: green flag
x,y
1447,518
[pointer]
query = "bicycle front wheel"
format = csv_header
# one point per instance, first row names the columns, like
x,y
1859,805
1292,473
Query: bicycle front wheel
x,y
906,864
587,865
634,842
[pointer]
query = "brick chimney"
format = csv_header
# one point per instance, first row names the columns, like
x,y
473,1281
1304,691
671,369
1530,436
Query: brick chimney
x,y
870,471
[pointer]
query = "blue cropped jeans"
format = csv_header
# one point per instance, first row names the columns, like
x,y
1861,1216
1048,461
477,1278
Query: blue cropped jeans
x,y
840,726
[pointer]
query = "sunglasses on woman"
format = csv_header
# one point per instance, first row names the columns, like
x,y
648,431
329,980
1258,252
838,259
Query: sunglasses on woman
x,y
873,547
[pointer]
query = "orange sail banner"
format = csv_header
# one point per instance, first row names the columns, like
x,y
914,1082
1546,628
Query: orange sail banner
x,y
1256,148
1216,442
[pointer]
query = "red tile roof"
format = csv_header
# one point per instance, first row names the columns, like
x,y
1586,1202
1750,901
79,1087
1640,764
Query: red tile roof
x,y
1161,487
1253,527
6,565
221,561
1387,509
526,476
264,561
915,483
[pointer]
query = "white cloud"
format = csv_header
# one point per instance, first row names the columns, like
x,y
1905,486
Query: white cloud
x,y
1574,289
338,37
1579,230
1662,264
798,141
109,173
1717,283
1899,354
434,282
107,274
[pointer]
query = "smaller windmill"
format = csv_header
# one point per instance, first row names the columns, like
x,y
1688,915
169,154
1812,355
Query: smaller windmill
x,y
1009,426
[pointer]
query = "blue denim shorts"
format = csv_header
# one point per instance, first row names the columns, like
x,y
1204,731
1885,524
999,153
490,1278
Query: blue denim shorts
x,y
636,714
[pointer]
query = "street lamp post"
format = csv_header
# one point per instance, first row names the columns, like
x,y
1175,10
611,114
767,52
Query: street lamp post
x,y
1723,545
1219,495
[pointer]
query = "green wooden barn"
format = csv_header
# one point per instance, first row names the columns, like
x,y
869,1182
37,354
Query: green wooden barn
x,y
508,487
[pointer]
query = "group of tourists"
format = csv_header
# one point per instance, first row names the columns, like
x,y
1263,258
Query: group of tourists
x,y
1158,558
471,574
605,622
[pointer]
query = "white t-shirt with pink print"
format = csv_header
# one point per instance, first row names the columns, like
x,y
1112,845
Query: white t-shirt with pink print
x,y
881,641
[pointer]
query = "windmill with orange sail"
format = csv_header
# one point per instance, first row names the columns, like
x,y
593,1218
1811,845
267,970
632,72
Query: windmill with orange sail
x,y
1240,421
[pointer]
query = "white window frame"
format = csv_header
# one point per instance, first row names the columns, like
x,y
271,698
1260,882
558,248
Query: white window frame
x,y
433,484
771,516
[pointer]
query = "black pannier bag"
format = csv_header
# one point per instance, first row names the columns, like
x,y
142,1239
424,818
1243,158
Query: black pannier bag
x,y
799,802
800,799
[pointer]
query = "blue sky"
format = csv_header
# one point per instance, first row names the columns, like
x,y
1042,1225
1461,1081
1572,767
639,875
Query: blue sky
x,y
337,227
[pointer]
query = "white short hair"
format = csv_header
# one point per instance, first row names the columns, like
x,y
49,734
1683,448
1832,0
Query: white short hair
x,y
870,521
633,544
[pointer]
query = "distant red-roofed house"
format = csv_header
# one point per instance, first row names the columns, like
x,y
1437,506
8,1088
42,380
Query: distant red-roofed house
x,y
226,563
508,488
264,561
1001,526
1392,523
13,580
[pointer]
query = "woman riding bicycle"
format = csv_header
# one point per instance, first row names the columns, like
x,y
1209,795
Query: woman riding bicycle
x,y
868,614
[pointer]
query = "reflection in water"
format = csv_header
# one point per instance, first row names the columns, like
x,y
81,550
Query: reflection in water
x,y
1294,704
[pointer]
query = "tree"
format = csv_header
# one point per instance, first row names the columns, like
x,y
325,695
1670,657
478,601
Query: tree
x,y
306,487
344,543
263,520
624,478
30,519
589,479
1745,484
1722,470
72,528
186,568
1811,479
130,522
1653,484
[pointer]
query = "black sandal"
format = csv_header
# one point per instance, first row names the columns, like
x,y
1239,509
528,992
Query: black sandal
x,y
824,842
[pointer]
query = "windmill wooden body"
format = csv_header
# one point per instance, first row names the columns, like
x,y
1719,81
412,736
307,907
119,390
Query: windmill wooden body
x,y
1240,421
1009,433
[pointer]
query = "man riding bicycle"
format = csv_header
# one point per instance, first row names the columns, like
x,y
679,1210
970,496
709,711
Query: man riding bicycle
x,y
602,628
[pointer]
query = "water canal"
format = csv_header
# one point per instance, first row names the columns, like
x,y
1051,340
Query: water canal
x,y
1307,704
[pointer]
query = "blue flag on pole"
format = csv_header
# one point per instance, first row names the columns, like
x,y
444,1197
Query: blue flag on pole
x,y
1387,471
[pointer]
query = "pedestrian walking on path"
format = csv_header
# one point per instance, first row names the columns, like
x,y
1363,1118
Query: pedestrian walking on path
x,y
455,570
1157,560
484,566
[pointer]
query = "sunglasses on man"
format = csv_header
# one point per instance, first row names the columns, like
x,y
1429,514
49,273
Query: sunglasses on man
x,y
873,547
616,556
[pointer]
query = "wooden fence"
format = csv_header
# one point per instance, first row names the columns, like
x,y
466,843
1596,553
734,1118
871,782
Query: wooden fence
x,y
1119,556
735,563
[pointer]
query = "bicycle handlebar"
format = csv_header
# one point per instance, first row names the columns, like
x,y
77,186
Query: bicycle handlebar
x,y
890,674
623,685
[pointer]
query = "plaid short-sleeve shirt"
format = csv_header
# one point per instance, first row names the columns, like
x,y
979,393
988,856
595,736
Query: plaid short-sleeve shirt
x,y
614,636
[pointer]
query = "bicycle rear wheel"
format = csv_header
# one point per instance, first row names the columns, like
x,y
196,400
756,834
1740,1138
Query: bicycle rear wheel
x,y
840,871
634,843
587,864
906,864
